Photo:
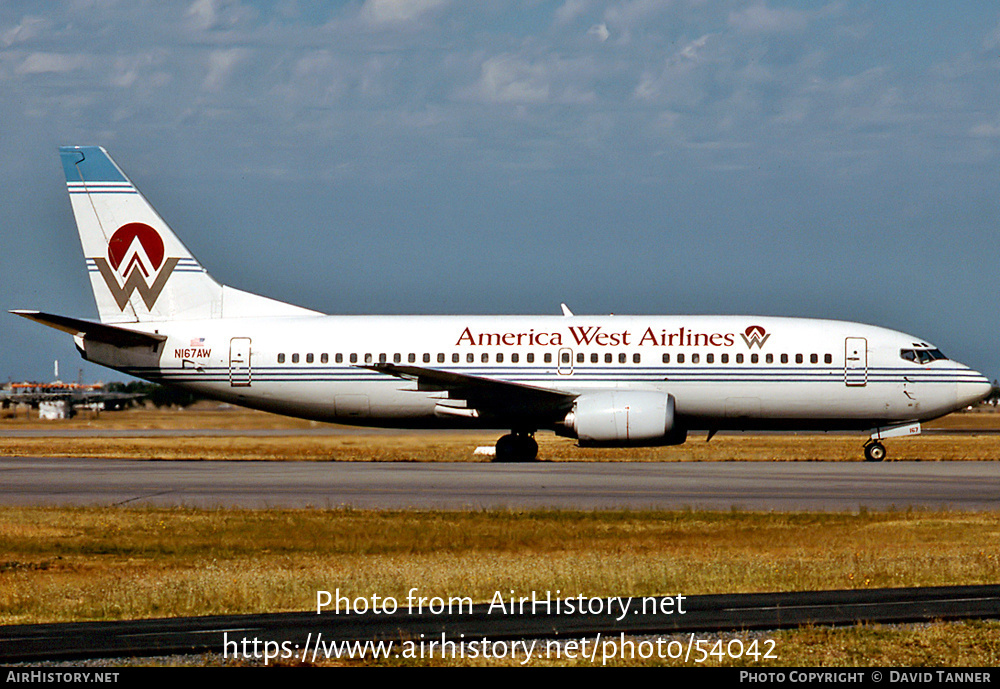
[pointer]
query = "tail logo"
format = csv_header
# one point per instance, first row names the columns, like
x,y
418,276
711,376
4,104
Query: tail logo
x,y
135,255
755,336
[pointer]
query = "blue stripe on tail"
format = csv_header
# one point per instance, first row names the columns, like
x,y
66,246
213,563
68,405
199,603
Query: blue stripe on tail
x,y
89,164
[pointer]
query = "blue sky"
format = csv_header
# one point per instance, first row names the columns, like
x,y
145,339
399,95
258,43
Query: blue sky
x,y
829,159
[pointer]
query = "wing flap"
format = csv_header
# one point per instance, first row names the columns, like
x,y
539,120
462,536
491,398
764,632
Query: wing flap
x,y
492,398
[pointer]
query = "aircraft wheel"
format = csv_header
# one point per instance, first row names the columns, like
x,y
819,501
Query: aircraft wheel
x,y
516,447
874,452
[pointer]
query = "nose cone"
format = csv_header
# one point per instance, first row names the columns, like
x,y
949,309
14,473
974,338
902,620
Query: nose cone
x,y
973,390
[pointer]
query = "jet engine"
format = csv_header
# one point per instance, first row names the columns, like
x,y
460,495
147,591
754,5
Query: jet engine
x,y
624,418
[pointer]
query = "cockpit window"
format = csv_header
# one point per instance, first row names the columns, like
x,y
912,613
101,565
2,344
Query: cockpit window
x,y
921,356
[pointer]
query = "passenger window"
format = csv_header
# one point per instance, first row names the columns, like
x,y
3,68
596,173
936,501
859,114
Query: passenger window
x,y
500,358
784,358
514,358
565,357
309,358
411,358
454,358
798,358
753,358
608,358
621,358
368,358
739,358
531,357
636,358
695,358
666,358
397,358
382,358
324,358
594,358
440,357
486,358
680,358
339,358
769,359
709,358
725,358
548,358
828,358
281,358
580,357
295,358
427,357
354,358
813,358
470,358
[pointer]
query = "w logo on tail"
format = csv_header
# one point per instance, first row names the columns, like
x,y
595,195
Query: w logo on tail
x,y
135,254
755,336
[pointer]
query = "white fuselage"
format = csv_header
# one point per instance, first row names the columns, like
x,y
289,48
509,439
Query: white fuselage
x,y
724,372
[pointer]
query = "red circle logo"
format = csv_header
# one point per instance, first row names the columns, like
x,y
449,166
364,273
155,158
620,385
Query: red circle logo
x,y
120,245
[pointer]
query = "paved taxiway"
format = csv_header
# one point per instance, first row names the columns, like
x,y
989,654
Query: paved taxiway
x,y
781,486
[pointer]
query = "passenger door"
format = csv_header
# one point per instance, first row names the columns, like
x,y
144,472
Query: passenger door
x,y
856,361
239,362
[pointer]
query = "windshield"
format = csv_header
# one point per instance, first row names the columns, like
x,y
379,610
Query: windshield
x,y
921,356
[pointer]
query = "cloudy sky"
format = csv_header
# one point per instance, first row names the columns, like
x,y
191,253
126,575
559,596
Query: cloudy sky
x,y
830,159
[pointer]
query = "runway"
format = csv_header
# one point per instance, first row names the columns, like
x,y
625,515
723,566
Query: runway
x,y
767,486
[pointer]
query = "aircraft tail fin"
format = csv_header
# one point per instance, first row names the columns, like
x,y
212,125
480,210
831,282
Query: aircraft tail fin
x,y
139,270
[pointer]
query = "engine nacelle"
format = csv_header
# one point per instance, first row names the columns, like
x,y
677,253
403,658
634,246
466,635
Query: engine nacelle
x,y
624,418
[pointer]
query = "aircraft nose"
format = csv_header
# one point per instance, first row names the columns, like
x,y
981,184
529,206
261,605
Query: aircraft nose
x,y
974,390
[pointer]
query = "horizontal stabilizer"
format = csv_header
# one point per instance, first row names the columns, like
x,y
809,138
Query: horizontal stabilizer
x,y
97,332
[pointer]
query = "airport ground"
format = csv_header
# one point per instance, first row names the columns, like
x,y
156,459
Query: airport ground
x,y
209,431
117,563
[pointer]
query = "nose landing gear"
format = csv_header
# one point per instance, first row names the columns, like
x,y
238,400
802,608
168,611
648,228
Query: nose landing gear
x,y
874,451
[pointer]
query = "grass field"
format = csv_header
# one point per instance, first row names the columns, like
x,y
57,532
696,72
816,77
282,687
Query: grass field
x,y
324,442
62,564
101,563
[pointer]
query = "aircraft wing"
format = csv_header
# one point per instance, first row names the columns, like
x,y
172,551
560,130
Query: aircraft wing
x,y
490,397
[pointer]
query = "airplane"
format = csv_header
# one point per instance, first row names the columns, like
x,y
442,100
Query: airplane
x,y
612,380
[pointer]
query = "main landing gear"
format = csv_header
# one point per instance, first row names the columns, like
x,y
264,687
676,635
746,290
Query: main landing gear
x,y
518,446
874,451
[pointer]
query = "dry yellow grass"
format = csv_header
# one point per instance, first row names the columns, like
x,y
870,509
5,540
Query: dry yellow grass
x,y
352,444
60,564
99,563
458,447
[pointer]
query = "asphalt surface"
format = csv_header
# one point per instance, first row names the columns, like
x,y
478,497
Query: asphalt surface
x,y
779,486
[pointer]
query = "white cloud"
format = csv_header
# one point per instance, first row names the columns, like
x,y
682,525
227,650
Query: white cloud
x,y
206,15
600,31
506,79
55,63
549,79
29,29
992,40
986,130
680,81
571,9
760,18
397,11
221,64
